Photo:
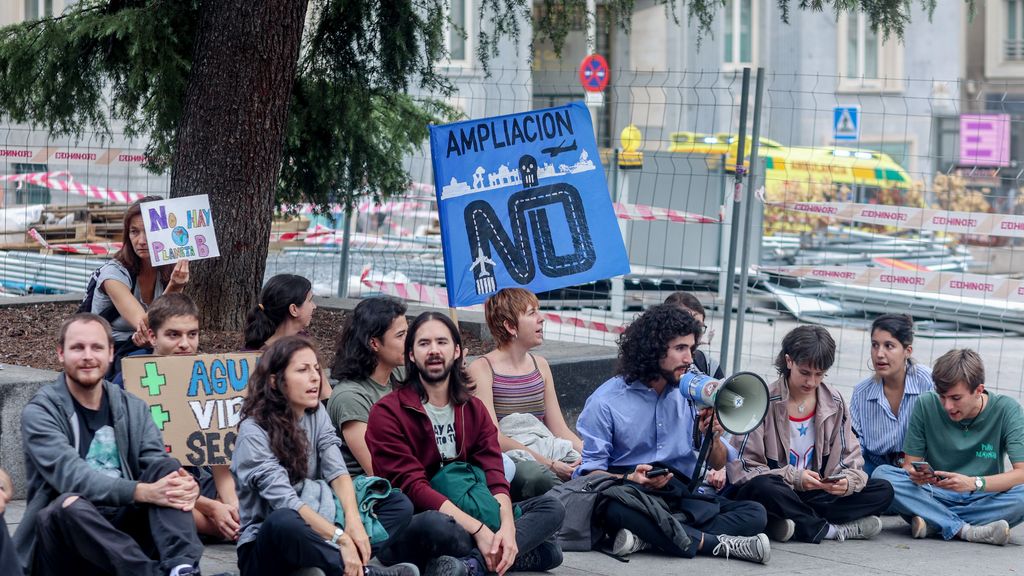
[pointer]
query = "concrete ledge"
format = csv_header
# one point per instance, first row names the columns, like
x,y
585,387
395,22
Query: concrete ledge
x,y
472,323
17,385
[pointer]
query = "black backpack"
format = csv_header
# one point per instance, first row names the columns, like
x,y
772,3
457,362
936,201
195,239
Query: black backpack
x,y
110,313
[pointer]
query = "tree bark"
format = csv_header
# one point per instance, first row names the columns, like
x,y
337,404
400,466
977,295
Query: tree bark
x,y
230,141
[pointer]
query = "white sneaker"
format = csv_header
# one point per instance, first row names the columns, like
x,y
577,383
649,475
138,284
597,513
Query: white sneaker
x,y
626,543
749,548
781,529
997,533
860,529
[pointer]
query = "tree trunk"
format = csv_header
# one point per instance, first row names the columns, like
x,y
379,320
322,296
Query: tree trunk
x,y
230,140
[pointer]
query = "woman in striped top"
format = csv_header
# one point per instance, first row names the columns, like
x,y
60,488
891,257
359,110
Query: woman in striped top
x,y
882,404
510,379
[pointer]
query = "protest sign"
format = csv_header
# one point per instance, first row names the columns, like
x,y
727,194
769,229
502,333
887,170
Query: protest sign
x,y
195,401
523,202
179,229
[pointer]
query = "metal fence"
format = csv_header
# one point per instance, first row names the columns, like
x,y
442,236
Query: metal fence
x,y
868,196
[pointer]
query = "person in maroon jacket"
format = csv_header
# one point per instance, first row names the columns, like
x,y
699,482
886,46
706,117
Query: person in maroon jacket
x,y
432,419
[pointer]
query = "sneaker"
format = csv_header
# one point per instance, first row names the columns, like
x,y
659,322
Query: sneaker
x,y
861,529
749,548
997,533
541,559
626,543
446,566
403,569
920,529
780,529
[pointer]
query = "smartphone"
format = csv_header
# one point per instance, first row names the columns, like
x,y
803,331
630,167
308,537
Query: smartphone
x,y
656,472
833,478
926,468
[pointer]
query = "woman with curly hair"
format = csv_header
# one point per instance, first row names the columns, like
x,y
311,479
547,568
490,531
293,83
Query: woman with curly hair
x,y
296,499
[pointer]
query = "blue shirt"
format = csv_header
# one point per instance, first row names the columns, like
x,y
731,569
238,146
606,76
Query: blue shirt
x,y
623,425
879,430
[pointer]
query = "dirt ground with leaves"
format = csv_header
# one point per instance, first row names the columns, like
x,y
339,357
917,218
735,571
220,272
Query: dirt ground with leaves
x,y
28,335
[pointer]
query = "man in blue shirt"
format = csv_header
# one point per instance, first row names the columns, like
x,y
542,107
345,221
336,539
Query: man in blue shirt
x,y
639,422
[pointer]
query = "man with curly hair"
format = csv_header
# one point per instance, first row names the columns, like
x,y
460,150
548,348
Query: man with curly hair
x,y
638,426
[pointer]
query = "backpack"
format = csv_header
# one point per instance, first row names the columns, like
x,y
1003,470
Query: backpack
x,y
110,313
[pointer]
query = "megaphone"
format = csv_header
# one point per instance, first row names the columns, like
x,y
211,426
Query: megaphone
x,y
740,401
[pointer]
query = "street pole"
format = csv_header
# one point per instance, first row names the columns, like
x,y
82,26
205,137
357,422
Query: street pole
x,y
343,267
734,219
748,208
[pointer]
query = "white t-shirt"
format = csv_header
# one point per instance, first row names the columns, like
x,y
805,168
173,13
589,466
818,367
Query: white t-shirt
x,y
443,421
801,442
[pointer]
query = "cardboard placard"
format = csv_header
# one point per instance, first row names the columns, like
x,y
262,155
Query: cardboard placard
x,y
179,229
195,401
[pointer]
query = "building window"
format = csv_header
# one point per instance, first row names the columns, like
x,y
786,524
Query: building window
x,y
1013,45
866,61
459,35
36,9
30,193
740,39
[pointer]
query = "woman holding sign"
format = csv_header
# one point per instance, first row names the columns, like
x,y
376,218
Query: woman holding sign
x,y
297,501
126,286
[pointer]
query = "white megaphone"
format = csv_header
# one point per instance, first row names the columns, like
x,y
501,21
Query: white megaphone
x,y
740,401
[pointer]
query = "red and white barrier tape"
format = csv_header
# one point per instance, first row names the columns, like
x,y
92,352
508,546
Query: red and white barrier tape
x,y
653,213
52,181
919,281
916,218
437,296
88,249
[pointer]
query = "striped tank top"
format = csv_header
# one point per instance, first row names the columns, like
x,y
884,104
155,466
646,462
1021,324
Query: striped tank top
x,y
518,394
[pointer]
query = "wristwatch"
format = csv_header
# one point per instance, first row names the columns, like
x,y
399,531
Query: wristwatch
x,y
979,484
338,532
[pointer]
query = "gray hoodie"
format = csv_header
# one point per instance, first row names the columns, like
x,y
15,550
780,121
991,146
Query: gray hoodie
x,y
50,433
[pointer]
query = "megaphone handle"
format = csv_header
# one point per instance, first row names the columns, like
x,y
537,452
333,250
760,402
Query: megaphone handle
x,y
705,448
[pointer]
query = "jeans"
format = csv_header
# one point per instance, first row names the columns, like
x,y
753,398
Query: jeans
x,y
8,558
948,510
432,534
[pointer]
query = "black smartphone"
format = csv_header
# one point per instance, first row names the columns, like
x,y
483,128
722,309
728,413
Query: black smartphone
x,y
656,472
833,478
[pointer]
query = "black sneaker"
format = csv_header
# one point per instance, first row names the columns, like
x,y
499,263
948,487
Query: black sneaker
x,y
447,566
541,559
403,569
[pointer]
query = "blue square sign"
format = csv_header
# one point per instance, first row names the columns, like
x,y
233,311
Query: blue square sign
x,y
846,123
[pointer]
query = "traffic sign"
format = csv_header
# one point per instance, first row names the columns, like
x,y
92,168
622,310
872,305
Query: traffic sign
x,y
846,123
594,73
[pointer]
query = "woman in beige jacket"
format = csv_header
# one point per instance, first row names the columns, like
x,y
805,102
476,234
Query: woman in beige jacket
x,y
803,463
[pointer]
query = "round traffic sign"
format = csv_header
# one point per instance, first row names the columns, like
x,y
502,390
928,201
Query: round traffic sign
x,y
594,73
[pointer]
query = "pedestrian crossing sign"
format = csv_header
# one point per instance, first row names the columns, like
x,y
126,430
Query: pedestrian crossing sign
x,y
846,123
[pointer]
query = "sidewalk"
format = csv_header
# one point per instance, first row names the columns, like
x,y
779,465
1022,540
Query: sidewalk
x,y
892,552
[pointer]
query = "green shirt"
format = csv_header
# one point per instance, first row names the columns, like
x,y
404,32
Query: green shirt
x,y
971,447
351,401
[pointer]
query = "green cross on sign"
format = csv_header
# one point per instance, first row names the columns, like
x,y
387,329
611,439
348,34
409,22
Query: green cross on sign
x,y
153,379
160,416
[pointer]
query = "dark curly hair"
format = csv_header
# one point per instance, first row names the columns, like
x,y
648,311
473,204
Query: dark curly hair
x,y
268,407
810,345
460,387
354,359
645,341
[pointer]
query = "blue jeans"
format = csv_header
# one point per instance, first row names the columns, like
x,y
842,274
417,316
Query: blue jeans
x,y
949,510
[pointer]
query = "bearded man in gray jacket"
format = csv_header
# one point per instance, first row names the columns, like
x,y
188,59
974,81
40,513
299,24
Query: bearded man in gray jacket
x,y
103,495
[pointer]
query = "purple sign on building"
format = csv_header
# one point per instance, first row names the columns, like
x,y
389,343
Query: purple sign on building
x,y
984,139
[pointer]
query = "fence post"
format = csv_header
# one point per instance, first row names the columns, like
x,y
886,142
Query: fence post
x,y
747,209
343,267
734,219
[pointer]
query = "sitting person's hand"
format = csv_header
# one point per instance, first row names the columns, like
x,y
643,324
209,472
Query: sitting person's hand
x,y
716,478
639,476
562,470
225,518
180,274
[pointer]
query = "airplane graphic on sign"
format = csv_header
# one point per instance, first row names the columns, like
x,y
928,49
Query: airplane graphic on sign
x,y
846,123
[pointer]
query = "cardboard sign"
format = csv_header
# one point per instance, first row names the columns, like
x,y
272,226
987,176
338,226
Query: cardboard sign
x,y
523,202
196,401
179,229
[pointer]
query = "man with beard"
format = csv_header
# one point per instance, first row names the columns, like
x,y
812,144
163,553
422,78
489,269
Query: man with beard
x,y
103,495
430,421
640,427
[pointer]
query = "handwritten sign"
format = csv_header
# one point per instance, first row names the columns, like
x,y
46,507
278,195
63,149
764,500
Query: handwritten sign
x,y
179,229
523,202
195,401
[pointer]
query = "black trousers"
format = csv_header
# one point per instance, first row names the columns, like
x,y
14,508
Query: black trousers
x,y
432,534
9,563
812,511
285,542
705,517
133,540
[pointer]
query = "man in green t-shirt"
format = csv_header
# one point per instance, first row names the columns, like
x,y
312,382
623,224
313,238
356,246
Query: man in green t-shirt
x,y
953,480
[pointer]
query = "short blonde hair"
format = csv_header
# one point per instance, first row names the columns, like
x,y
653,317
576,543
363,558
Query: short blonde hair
x,y
958,365
507,306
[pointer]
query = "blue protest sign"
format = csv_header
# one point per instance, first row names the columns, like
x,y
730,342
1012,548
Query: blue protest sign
x,y
523,202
